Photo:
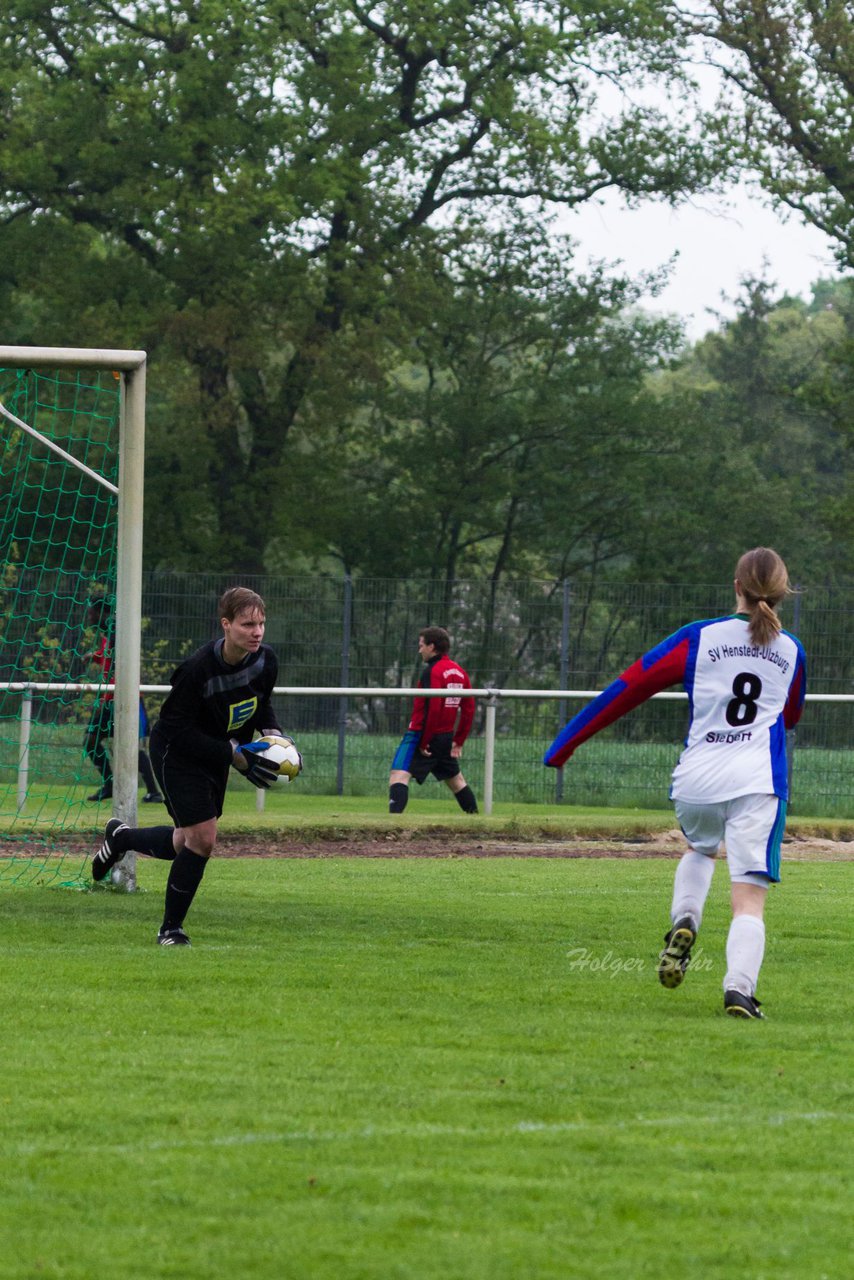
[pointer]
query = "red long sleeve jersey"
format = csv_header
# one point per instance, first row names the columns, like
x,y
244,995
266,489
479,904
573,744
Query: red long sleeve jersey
x,y
443,715
103,658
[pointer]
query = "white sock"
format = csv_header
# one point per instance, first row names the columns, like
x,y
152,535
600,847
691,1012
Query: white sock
x,y
745,947
691,886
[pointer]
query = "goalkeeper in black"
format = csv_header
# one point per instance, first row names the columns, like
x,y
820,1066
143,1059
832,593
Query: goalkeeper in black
x,y
220,698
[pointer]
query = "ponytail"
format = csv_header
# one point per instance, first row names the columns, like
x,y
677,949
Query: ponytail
x,y
763,581
764,624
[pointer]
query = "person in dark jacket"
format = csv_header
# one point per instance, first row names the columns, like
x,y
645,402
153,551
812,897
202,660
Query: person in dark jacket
x,y
220,698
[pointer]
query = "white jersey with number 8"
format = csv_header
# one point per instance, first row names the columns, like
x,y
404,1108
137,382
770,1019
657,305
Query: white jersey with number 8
x,y
743,697
736,743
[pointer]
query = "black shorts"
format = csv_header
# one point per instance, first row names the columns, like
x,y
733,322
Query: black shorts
x,y
193,792
440,762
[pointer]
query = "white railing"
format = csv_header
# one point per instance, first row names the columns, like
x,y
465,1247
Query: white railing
x,y
492,697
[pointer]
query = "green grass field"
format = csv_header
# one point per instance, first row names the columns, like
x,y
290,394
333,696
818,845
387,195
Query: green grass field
x,y
411,1069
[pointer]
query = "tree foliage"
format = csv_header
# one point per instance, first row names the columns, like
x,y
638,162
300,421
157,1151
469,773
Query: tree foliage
x,y
792,63
252,188
510,436
328,223
766,455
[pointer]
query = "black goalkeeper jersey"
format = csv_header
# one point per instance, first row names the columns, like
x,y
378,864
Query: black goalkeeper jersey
x,y
212,702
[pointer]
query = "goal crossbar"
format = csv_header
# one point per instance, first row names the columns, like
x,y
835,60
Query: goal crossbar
x,y
71,358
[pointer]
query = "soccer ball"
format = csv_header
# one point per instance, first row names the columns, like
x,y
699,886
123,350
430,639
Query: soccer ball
x,y
283,753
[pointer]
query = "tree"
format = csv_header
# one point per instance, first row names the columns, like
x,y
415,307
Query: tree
x,y
792,64
251,188
511,438
765,455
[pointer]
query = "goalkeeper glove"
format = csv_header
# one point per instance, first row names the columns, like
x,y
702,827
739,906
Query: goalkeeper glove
x,y
253,766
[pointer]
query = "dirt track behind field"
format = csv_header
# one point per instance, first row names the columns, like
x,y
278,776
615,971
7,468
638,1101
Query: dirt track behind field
x,y
448,844
669,844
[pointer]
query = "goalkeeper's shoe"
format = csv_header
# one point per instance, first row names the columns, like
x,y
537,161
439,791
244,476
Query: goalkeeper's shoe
x,y
676,956
738,1005
172,938
108,855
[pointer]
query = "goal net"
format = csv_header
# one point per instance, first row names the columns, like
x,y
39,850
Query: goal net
x,y
70,536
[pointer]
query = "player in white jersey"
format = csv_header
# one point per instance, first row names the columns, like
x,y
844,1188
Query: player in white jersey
x,y
746,680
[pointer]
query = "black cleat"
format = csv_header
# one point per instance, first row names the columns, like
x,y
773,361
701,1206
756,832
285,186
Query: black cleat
x,y
172,938
103,793
108,855
738,1005
152,797
676,956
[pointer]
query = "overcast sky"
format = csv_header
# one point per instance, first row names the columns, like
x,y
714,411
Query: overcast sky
x,y
718,242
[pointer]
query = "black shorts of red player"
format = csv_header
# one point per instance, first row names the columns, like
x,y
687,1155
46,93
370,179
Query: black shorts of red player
x,y
193,792
440,762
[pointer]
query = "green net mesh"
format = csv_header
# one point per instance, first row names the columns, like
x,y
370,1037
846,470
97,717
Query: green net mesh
x,y
58,533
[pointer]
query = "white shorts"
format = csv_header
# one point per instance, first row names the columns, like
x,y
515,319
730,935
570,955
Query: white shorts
x,y
751,827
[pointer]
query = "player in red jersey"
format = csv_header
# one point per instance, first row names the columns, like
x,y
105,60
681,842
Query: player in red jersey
x,y
438,727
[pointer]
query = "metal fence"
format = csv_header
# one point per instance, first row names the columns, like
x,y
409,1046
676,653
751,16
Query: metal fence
x,y
609,771
532,635
522,634
525,634
329,630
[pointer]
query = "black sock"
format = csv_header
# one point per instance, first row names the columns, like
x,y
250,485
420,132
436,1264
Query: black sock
x,y
398,794
185,877
155,841
465,799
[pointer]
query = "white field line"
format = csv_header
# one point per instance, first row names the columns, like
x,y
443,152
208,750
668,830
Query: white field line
x,y
369,1133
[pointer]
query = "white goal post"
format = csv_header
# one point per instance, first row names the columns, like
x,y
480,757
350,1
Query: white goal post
x,y
130,367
